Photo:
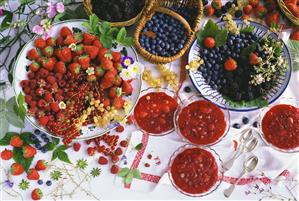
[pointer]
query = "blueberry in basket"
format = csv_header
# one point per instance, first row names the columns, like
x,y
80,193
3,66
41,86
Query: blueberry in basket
x,y
163,35
237,63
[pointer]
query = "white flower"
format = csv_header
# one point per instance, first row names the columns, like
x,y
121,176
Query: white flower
x,y
72,46
62,105
125,74
90,71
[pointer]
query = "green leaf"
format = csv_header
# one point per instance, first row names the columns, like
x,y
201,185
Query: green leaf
x,y
245,52
123,172
259,102
7,20
6,139
61,148
66,2
49,146
55,140
14,119
129,178
136,174
63,157
87,26
26,137
54,155
10,104
247,29
58,17
293,46
4,125
221,37
93,22
19,158
113,32
139,146
106,41
121,34
104,27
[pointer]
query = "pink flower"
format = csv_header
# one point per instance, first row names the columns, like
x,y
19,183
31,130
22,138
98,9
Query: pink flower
x,y
47,34
1,12
38,30
51,10
60,7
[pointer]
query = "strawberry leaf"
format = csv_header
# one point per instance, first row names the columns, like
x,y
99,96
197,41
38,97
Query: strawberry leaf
x,y
26,137
6,139
139,146
123,172
220,37
129,178
63,157
19,158
136,174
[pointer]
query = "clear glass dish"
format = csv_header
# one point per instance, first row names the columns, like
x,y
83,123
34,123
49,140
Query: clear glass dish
x,y
217,159
287,101
188,101
150,90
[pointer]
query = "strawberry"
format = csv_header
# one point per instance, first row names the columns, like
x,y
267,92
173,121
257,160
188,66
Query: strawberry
x,y
116,56
118,102
272,19
294,9
32,54
51,42
112,92
216,4
79,49
230,64
291,1
106,63
36,194
114,169
51,79
54,107
117,81
208,11
34,66
16,169
28,151
6,154
97,43
102,52
49,63
118,66
92,51
41,165
260,12
65,54
102,160
247,9
75,68
76,146
48,51
126,88
99,71
108,80
254,3
295,35
16,141
60,67
69,39
209,42
88,38
91,78
84,61
253,58
40,43
59,40
270,5
120,129
114,159
118,151
65,31
123,143
43,120
78,37
32,174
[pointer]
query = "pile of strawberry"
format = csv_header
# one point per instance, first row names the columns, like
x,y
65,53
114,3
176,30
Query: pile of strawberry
x,y
63,72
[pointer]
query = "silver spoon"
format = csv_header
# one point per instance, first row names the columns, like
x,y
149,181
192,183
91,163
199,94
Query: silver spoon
x,y
248,166
246,135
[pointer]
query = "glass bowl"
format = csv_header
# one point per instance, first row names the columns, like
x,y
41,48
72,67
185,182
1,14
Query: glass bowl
x,y
156,90
193,99
287,101
219,165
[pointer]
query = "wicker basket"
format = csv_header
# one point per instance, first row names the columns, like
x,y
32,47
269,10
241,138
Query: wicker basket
x,y
163,7
288,13
88,9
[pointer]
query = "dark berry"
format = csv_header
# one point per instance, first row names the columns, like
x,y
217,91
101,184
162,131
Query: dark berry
x,y
218,13
37,132
238,14
205,2
33,138
255,124
49,183
43,135
228,4
245,120
46,140
236,125
44,150
187,89
40,182
38,145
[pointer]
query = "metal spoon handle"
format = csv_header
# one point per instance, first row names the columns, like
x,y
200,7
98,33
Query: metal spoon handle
x,y
227,192
227,165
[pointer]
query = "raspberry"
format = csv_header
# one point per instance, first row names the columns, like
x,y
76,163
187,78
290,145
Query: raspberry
x,y
24,83
124,143
120,129
51,79
41,103
118,151
102,160
28,99
76,146
91,151
114,169
54,107
58,76
59,116
48,96
114,159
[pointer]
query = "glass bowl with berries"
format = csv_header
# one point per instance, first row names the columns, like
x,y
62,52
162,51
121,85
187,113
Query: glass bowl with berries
x,y
155,110
74,87
195,171
201,122
245,65
279,125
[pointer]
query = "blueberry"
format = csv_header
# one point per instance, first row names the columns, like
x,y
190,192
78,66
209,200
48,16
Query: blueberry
x,y
224,9
245,120
40,182
43,135
33,138
228,4
187,89
49,183
218,13
37,132
236,125
205,2
238,14
180,46
255,124
44,150
38,145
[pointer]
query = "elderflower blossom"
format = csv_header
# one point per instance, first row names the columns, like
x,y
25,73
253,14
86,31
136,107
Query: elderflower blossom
x,y
90,71
62,105
230,24
73,46
194,64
